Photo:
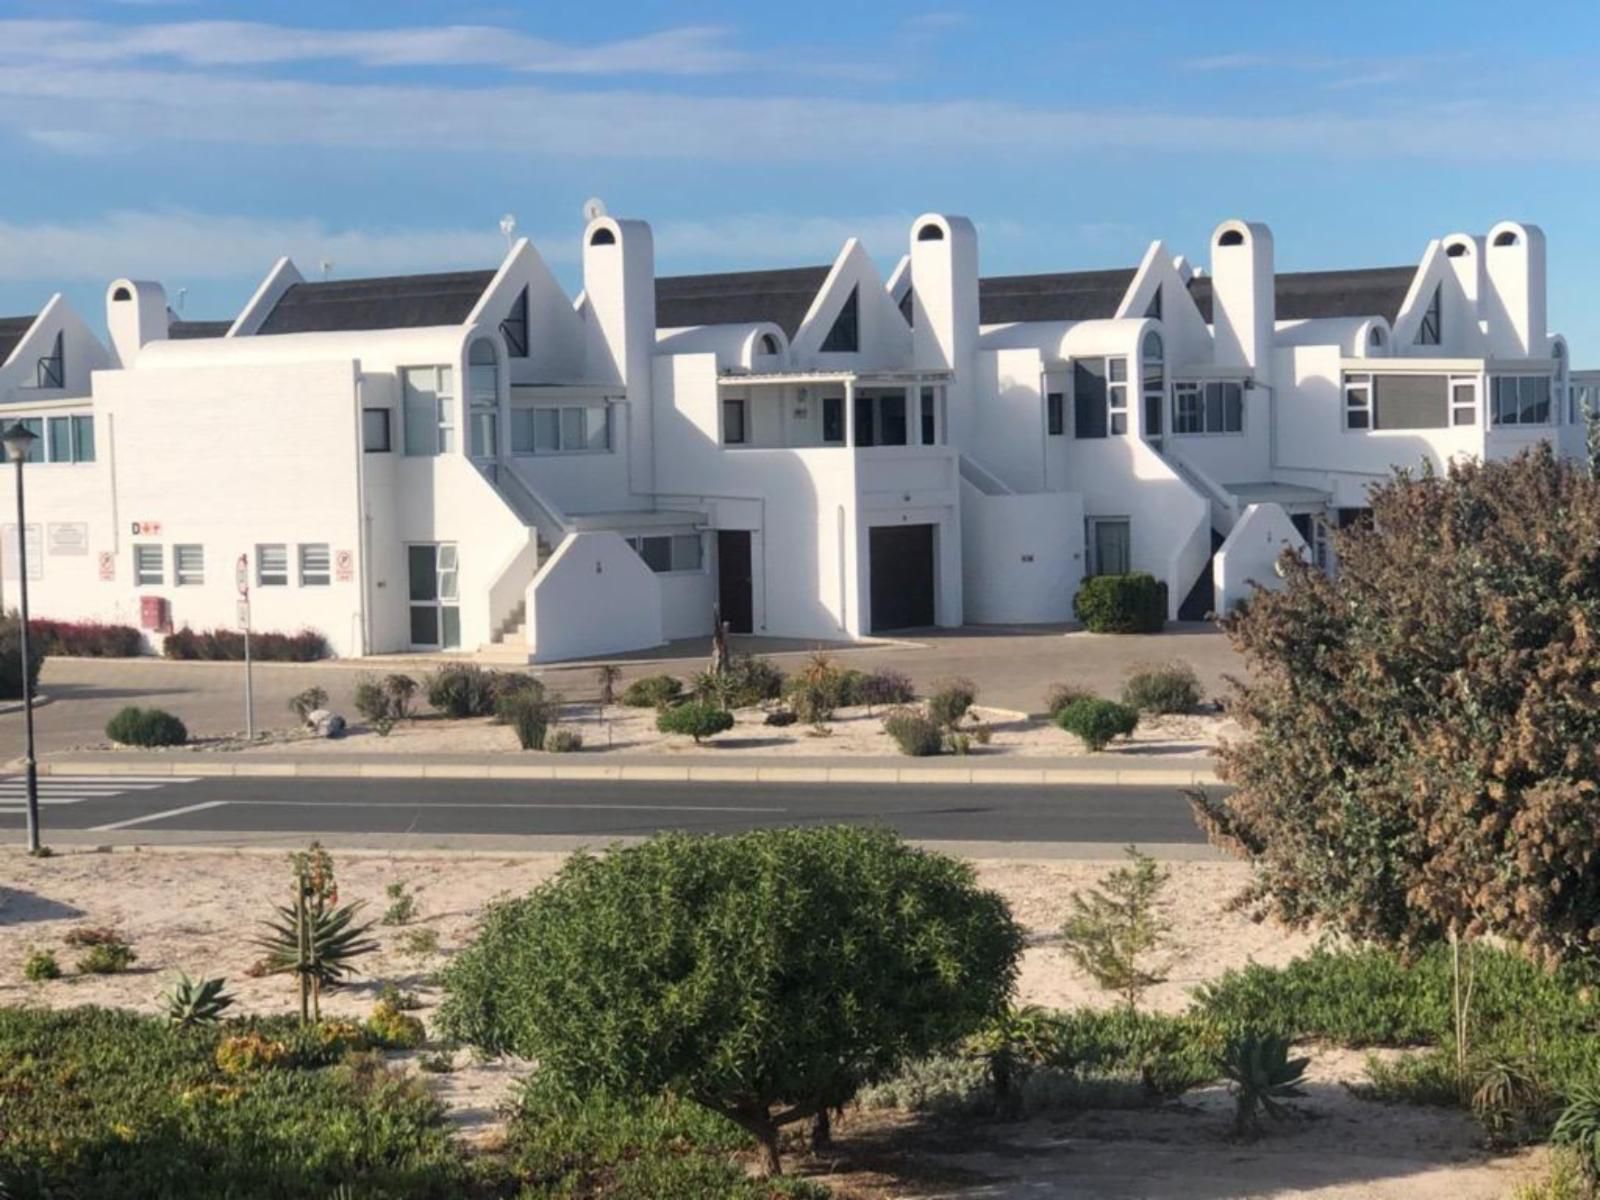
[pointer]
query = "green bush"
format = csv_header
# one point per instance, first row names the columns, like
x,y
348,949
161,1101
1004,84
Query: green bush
x,y
695,718
461,690
884,688
788,965
1133,603
303,704
1098,721
107,958
950,701
653,691
1061,695
134,726
752,681
39,966
11,658
913,733
563,741
820,688
530,713
1162,688
394,1030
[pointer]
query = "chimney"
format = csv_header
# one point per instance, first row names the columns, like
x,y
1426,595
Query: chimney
x,y
1244,297
619,286
1464,255
136,314
944,311
1515,274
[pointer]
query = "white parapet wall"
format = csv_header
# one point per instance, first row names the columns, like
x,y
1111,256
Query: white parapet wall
x,y
1250,555
1022,556
594,596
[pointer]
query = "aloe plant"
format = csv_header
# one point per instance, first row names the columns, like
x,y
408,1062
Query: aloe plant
x,y
196,1001
1262,1077
315,939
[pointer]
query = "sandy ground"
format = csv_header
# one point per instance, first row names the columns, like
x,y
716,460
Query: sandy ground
x,y
626,731
197,910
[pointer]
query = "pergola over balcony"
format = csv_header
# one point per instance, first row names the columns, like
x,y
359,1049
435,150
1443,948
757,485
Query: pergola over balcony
x,y
851,409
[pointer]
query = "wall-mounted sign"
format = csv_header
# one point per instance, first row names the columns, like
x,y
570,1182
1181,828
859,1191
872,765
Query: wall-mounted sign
x,y
67,537
108,566
8,551
147,529
344,569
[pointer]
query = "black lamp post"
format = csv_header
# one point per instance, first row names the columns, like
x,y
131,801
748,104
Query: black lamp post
x,y
19,439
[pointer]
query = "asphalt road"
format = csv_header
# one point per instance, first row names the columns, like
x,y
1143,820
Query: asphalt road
x,y
128,806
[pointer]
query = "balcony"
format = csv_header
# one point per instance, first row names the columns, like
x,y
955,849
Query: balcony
x,y
887,411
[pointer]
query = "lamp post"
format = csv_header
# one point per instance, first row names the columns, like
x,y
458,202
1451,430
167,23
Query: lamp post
x,y
19,439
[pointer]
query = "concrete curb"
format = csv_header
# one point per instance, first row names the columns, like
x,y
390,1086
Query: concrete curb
x,y
619,772
7,707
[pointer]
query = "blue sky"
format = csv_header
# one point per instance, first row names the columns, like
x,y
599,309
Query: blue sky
x,y
195,141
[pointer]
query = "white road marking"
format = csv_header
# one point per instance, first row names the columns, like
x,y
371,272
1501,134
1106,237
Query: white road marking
x,y
59,790
157,816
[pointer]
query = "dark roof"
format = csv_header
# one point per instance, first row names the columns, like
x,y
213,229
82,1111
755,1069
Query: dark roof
x,y
12,331
1066,296
739,297
181,331
1306,295
392,302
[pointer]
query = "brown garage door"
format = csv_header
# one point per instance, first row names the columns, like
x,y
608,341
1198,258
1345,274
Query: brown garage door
x,y
901,575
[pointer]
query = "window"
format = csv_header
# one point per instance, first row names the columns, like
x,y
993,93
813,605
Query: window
x,y
767,344
147,566
429,410
602,237
433,594
1212,406
515,327
1110,546
908,304
83,438
930,233
833,419
1117,396
1231,237
1428,331
845,336
71,439
1152,373
375,435
272,565
930,424
1055,413
1358,402
666,553
315,564
1089,398
53,367
569,429
35,426
1153,309
1520,399
188,566
483,383
881,418
1463,402
733,423
60,439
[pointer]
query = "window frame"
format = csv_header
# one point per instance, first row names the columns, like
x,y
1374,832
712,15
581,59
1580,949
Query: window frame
x,y
1430,330
1458,407
183,576
1498,417
1055,414
142,576
741,406
1356,392
442,424
387,413
277,578
1197,393
674,542
1116,396
535,444
311,576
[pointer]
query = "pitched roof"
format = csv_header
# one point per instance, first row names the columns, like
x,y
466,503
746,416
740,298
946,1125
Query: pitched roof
x,y
1307,295
12,331
782,296
1063,296
181,331
387,302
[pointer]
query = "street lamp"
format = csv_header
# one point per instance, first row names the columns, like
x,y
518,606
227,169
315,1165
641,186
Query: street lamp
x,y
19,439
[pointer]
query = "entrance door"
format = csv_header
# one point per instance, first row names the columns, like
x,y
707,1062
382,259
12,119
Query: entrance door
x,y
901,576
1110,546
434,596
735,580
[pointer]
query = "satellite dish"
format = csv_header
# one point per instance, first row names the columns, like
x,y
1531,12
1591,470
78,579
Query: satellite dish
x,y
593,208
508,225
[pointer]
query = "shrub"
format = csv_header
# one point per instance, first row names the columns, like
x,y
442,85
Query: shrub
x,y
1062,695
398,1000
820,688
39,966
419,944
228,645
394,1030
84,936
86,639
653,691
1162,688
134,726
303,704
11,659
384,702
882,688
1133,603
107,958
191,1002
402,908
913,733
721,989
563,741
780,718
1262,1078
753,681
982,734
1113,930
950,701
1578,1130
695,718
1097,721
530,713
461,690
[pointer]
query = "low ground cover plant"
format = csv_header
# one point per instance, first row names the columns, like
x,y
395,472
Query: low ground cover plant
x,y
695,718
563,741
882,688
653,691
1134,603
135,726
86,639
39,966
228,644
1170,687
913,732
1098,722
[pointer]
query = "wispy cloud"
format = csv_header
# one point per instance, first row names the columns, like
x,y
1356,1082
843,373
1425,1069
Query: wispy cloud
x,y
1337,72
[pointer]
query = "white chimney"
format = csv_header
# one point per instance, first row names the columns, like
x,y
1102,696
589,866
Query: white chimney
x,y
136,314
1243,297
1515,274
619,286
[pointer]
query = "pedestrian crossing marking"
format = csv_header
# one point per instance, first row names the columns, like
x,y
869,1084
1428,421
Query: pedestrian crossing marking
x,y
57,791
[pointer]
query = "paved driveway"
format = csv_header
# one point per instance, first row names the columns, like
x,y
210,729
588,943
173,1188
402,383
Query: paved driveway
x,y
1013,668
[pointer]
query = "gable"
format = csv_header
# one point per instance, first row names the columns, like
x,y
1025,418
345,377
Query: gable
x,y
854,291
1159,292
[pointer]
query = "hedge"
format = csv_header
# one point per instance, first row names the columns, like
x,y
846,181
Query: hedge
x,y
1134,603
11,659
228,645
86,639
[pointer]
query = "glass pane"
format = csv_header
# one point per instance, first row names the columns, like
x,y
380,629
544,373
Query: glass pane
x,y
1118,368
424,575
522,431
656,552
572,429
1111,547
833,418
35,426
424,625
600,428
1232,408
484,429
927,416
447,585
450,627
892,414
1213,419
686,552
375,429
447,381
547,428
485,384
420,411
447,556
447,422
83,437
60,440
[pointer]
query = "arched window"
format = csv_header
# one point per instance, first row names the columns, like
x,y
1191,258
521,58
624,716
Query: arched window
x,y
1230,237
1456,249
930,233
1153,376
1375,337
602,237
767,345
122,293
1506,237
1152,351
483,398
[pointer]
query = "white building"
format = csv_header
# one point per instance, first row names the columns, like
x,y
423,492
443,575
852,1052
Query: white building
x,y
453,460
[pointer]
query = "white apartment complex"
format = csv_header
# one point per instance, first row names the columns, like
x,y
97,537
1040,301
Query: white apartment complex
x,y
456,460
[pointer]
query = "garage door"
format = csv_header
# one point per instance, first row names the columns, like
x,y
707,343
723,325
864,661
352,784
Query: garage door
x,y
901,574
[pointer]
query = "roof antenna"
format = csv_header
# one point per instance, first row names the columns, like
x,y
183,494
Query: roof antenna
x,y
327,267
182,292
508,226
593,209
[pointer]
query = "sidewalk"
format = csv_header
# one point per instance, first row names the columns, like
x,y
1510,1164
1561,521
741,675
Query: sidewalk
x,y
1116,770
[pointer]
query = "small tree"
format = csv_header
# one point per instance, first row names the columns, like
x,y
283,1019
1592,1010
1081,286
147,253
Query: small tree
x,y
1112,930
315,939
608,676
698,718
769,976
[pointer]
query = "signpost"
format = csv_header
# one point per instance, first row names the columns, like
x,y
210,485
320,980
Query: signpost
x,y
241,579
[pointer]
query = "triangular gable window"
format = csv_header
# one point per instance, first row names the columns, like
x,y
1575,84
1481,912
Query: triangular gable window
x,y
845,336
1153,311
906,304
53,368
1428,331
515,327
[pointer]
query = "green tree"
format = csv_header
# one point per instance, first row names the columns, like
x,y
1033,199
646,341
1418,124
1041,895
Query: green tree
x,y
764,976
1113,930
